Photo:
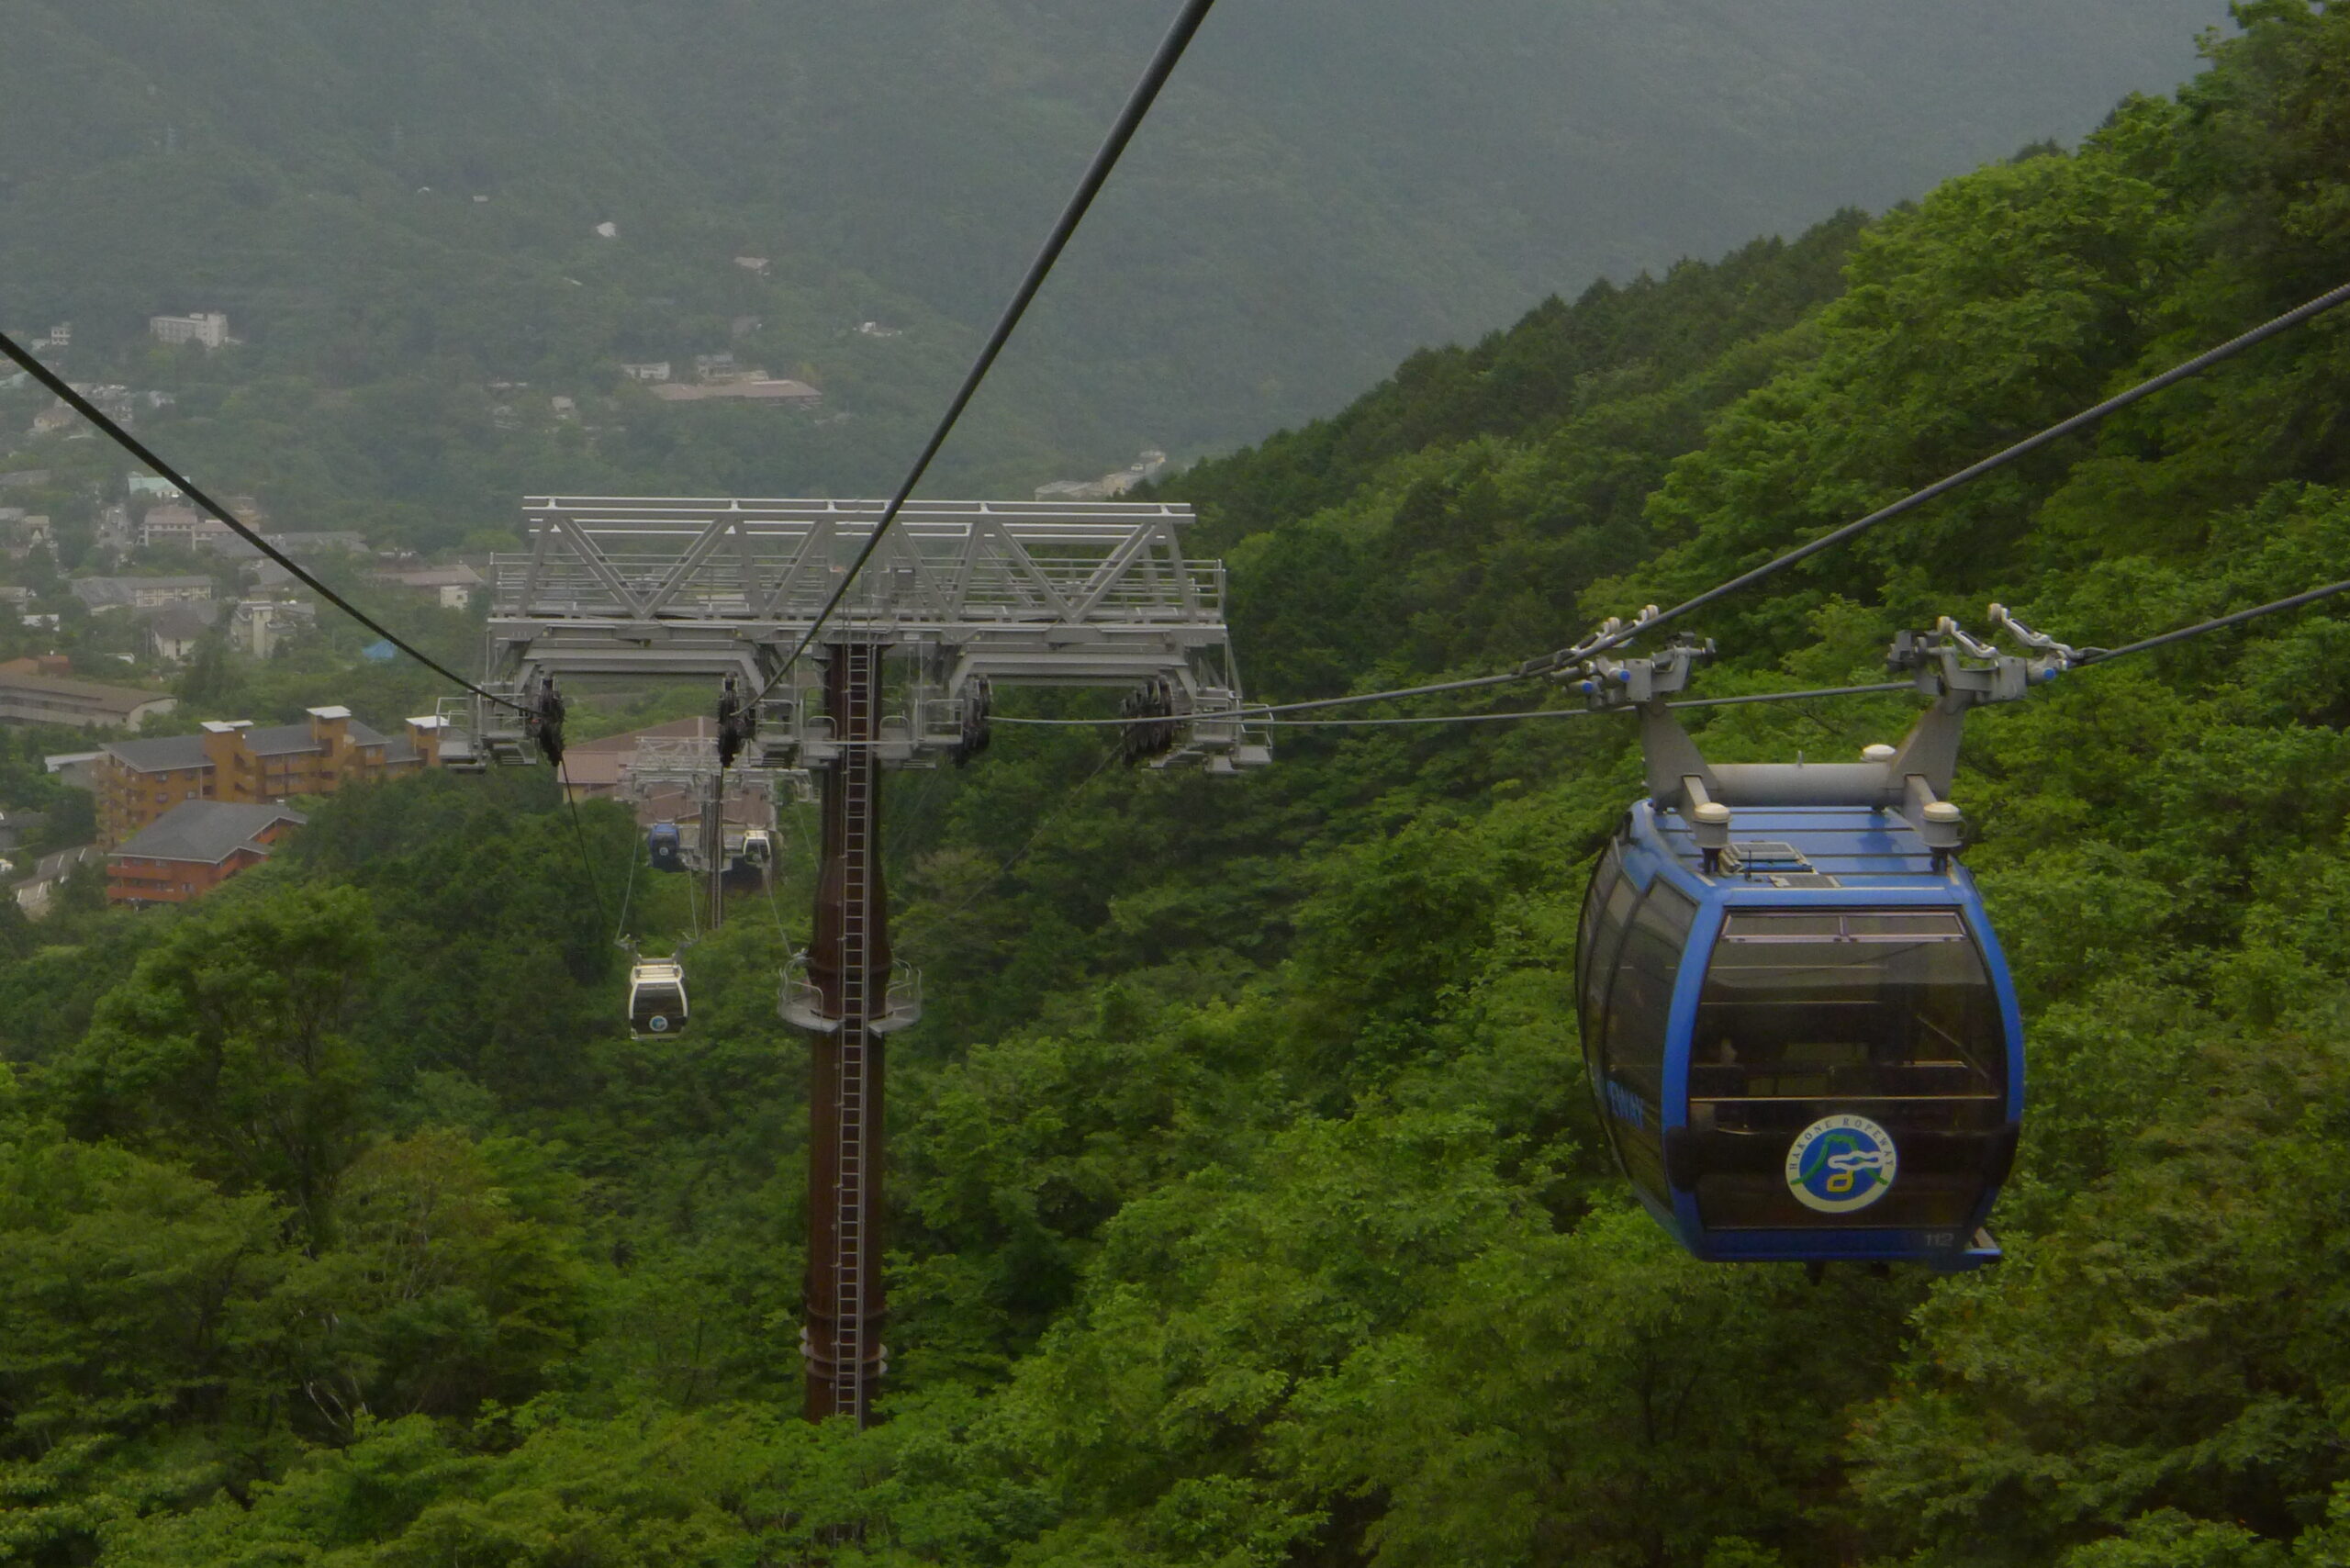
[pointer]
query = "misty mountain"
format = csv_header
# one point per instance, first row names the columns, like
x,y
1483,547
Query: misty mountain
x,y
370,189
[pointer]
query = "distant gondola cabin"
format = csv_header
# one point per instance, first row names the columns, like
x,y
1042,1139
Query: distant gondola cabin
x,y
656,1000
665,847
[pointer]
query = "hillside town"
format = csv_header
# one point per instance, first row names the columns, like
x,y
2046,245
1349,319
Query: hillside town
x,y
179,814
120,597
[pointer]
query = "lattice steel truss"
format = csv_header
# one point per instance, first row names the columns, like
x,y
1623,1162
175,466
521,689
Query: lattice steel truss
x,y
960,597
963,594
683,769
665,762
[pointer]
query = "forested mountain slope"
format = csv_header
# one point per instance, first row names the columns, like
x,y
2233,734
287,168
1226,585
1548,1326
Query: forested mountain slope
x,y
399,202
1249,1206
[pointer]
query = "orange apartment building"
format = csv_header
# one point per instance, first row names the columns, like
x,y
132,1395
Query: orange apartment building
x,y
230,760
193,848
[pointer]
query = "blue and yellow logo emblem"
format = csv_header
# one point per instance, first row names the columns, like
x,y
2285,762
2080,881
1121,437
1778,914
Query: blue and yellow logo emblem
x,y
1841,1165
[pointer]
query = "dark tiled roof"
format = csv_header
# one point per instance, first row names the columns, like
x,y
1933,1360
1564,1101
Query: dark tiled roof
x,y
286,740
207,832
183,622
167,752
279,740
119,699
164,753
599,764
99,592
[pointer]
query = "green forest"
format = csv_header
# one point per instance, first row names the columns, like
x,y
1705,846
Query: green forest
x,y
1248,1207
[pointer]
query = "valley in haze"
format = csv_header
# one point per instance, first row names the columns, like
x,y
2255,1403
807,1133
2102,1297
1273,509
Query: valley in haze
x,y
397,208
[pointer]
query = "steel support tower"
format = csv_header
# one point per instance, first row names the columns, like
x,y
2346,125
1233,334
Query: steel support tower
x,y
960,598
687,765
849,966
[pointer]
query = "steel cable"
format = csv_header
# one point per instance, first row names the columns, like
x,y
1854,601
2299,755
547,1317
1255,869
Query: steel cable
x,y
2089,658
1097,173
1546,663
587,863
2300,316
628,891
1252,717
187,487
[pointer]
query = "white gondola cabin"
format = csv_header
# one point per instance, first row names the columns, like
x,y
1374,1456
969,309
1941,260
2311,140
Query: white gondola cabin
x,y
656,1000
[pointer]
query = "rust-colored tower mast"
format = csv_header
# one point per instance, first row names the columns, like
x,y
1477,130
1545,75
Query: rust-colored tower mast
x,y
849,965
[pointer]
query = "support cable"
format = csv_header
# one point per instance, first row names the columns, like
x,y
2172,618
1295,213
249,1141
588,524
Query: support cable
x,y
138,449
186,487
1255,713
587,863
2298,317
1097,173
775,869
1611,639
1823,691
2086,658
627,890
1253,716
1479,682
2100,655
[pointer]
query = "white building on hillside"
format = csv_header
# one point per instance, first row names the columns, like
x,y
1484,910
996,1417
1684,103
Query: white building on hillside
x,y
261,626
209,328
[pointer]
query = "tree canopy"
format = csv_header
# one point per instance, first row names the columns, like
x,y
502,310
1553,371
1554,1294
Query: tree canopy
x,y
1250,1208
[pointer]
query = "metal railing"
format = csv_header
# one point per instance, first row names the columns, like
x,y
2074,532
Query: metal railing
x,y
802,1003
946,563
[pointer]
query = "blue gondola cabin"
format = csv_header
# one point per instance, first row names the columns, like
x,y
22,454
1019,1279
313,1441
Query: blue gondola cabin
x,y
1812,1051
1799,1030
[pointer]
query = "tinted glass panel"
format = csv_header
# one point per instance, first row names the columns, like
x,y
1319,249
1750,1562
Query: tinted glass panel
x,y
1887,1014
657,1008
1639,1004
1838,1004
1603,877
1595,950
1599,958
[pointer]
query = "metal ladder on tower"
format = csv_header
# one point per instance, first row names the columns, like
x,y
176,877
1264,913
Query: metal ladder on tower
x,y
858,766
